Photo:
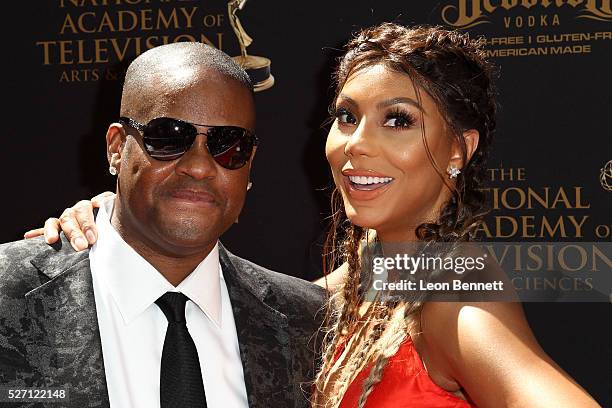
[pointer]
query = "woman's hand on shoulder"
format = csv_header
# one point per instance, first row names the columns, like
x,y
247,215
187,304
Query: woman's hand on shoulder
x,y
489,349
334,279
77,222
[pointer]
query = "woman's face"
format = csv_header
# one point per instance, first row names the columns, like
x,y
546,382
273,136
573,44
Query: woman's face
x,y
377,156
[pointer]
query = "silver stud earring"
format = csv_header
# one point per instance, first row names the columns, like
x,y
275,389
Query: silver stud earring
x,y
249,185
112,170
453,171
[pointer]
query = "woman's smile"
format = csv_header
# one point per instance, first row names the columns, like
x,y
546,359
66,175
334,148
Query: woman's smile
x,y
365,184
378,156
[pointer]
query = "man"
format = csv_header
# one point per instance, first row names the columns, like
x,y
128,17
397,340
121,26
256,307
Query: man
x,y
157,312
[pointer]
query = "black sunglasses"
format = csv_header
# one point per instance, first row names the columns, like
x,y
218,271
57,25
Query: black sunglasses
x,y
169,139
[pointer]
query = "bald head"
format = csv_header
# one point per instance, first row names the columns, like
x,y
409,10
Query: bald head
x,y
153,77
177,209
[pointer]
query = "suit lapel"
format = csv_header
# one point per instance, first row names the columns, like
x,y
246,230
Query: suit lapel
x,y
66,345
262,335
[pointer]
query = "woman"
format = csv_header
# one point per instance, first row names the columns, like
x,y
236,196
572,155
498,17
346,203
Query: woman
x,y
414,115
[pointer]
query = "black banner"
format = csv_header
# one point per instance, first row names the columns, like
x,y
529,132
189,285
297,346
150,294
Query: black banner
x,y
550,173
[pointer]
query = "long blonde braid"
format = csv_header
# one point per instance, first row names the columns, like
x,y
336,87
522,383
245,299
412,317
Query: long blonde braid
x,y
395,335
343,311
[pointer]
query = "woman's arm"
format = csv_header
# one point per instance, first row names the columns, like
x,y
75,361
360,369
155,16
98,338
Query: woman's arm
x,y
77,222
334,279
489,349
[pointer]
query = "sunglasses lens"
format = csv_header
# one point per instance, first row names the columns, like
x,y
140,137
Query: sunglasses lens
x,y
168,139
230,146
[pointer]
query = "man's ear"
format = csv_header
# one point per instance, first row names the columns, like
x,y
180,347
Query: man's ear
x,y
471,137
115,140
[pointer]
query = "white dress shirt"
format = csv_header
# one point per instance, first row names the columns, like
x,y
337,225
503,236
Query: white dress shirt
x,y
133,327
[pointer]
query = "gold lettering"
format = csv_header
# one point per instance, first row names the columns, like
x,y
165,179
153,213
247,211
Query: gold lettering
x,y
485,229
543,201
528,224
68,23
561,197
121,24
186,38
533,256
100,50
145,16
508,4
106,23
206,40
564,265
81,53
551,232
498,221
65,52
161,18
464,19
598,254
572,219
506,203
45,45
151,42
81,24
188,15
579,204
489,8
494,255
120,53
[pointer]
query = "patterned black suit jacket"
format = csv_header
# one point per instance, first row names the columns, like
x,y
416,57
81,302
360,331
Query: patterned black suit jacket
x,y
49,333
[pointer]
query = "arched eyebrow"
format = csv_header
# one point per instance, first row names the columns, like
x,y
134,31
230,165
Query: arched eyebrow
x,y
348,100
398,100
385,103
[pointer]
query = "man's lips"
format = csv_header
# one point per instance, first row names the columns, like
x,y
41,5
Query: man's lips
x,y
197,197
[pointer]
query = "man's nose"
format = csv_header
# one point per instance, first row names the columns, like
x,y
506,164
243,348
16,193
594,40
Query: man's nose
x,y
197,162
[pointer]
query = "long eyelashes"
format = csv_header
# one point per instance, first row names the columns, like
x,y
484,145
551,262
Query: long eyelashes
x,y
344,116
396,119
399,119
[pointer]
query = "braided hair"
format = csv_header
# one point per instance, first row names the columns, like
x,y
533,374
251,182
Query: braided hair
x,y
451,68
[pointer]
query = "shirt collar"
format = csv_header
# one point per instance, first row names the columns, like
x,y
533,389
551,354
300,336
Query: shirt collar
x,y
135,284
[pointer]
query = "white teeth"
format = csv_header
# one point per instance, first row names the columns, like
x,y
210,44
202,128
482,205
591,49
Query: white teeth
x,y
369,180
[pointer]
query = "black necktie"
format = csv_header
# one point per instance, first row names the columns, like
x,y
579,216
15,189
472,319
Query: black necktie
x,y
181,378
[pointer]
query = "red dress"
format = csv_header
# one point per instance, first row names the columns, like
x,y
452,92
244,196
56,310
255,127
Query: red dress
x,y
405,384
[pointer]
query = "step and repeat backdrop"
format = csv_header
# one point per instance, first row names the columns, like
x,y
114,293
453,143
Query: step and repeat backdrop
x,y
550,175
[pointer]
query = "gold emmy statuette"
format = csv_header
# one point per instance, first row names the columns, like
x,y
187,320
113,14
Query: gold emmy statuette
x,y
258,68
605,178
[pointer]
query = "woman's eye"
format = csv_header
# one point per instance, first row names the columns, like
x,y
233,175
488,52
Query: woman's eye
x,y
344,116
399,120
